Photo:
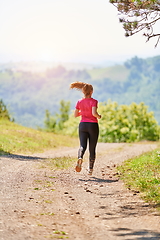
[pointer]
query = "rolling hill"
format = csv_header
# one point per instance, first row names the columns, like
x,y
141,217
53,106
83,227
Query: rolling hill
x,y
28,94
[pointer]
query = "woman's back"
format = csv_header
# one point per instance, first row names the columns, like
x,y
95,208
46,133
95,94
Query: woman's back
x,y
85,106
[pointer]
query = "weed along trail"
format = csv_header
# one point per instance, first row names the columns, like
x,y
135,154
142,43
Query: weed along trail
x,y
38,202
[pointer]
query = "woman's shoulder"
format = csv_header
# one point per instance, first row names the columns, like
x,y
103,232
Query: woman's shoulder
x,y
80,100
87,99
95,100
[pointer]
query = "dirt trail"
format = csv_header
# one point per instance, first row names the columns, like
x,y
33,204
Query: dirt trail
x,y
37,203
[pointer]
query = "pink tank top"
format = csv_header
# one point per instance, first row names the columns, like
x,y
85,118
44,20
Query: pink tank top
x,y
85,106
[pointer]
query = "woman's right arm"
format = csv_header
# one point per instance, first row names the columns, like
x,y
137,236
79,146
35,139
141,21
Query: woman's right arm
x,y
95,113
77,113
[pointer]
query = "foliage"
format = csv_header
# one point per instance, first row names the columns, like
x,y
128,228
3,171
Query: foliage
x,y
56,123
71,126
64,113
122,123
143,174
18,139
4,112
139,15
50,122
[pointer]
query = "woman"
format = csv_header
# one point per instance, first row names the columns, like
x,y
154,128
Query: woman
x,y
88,127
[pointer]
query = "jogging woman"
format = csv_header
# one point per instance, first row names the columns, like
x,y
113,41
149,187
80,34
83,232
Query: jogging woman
x,y
88,127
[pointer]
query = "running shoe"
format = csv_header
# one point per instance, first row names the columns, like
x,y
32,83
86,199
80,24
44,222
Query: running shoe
x,y
79,165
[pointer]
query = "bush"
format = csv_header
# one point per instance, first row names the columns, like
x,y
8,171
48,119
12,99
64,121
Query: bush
x,y
121,123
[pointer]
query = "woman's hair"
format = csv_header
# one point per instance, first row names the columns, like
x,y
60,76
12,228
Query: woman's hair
x,y
86,88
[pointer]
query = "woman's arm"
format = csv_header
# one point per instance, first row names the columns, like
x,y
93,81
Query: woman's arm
x,y
95,113
77,113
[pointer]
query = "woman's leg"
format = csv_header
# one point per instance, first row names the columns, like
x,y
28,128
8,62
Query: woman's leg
x,y
83,137
93,138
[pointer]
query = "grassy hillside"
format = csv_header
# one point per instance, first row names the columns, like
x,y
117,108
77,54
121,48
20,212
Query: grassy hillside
x,y
116,73
142,174
18,139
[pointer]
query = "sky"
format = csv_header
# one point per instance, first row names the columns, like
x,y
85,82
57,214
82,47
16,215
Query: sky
x,y
85,31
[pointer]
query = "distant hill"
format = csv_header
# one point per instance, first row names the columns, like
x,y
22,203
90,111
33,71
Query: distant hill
x,y
41,66
28,94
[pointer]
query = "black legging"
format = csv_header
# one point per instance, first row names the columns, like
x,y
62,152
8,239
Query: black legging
x,y
88,130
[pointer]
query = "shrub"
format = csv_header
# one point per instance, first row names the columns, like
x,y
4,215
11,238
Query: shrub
x,y
127,123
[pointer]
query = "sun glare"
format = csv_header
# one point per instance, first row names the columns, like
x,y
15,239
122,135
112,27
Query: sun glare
x,y
65,30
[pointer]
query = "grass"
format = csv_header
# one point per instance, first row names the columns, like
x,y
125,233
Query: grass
x,y
18,139
143,174
58,235
58,163
48,213
47,201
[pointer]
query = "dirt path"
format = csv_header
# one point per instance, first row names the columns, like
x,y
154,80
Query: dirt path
x,y
37,203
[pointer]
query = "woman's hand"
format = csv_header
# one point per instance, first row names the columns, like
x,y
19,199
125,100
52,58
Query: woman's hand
x,y
95,113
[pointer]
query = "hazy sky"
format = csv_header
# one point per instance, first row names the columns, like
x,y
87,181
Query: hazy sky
x,y
67,30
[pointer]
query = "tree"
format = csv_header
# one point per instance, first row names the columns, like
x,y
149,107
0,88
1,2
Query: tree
x,y
56,122
4,112
50,121
139,15
64,113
